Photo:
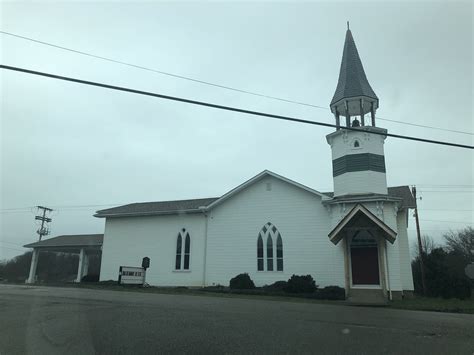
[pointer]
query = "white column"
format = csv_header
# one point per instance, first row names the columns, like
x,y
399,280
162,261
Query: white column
x,y
85,265
33,265
80,265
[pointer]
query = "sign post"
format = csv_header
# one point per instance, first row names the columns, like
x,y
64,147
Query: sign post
x,y
145,265
134,275
131,275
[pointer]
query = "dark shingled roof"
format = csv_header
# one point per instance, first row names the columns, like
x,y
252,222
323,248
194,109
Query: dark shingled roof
x,y
352,80
154,208
75,240
403,192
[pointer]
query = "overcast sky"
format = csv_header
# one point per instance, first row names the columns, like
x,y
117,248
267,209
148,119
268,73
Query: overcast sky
x,y
63,144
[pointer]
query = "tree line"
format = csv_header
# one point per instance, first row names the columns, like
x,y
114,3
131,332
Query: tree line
x,y
445,265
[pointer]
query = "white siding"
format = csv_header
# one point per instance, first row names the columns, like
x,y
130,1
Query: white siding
x,y
303,224
342,144
359,182
393,250
233,228
128,240
405,262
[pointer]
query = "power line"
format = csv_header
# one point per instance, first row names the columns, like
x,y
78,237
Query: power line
x,y
222,107
444,210
445,186
3,241
436,220
57,207
162,72
210,83
15,249
450,191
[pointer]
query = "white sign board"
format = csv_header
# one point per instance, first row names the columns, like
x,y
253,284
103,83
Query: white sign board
x,y
131,275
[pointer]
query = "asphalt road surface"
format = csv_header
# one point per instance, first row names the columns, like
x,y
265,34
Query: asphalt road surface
x,y
52,320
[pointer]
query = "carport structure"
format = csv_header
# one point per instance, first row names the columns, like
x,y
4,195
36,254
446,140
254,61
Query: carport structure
x,y
82,244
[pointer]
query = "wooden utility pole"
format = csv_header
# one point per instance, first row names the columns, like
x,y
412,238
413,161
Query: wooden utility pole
x,y
42,230
420,245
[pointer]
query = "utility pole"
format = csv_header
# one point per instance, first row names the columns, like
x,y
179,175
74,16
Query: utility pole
x,y
43,230
420,245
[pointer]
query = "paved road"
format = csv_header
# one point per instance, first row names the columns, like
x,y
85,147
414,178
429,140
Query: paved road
x,y
51,320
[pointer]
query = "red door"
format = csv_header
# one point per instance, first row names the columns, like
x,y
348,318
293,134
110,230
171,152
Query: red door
x,y
365,265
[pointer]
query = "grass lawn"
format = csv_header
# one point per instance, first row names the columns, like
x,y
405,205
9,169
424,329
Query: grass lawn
x,y
435,304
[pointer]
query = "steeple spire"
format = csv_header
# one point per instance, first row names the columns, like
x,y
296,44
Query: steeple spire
x,y
354,95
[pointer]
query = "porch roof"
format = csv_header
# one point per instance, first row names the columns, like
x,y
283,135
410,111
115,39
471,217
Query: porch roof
x,y
69,242
351,219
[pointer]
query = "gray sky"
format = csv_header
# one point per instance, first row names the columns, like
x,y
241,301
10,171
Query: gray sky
x,y
63,144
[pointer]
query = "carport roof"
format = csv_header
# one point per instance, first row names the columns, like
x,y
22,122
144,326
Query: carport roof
x,y
69,241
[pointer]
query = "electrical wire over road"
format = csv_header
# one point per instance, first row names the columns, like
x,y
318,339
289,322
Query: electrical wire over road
x,y
222,107
203,82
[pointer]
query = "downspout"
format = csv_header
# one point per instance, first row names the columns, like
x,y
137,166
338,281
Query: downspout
x,y
386,268
205,246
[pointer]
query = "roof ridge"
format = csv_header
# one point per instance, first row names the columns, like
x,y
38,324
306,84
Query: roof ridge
x,y
178,200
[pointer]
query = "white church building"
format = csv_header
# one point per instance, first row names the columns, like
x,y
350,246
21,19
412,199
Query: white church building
x,y
272,227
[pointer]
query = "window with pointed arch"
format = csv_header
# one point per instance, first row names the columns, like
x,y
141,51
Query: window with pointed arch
x,y
183,250
269,249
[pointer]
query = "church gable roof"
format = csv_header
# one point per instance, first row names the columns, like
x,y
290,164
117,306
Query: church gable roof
x,y
258,178
190,206
353,216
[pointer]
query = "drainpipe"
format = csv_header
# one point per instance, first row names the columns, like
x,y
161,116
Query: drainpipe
x,y
387,273
203,209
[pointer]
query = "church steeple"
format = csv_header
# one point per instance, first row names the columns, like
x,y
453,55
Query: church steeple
x,y
354,95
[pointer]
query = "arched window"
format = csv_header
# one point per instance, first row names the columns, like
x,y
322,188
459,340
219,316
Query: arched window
x,y
356,144
260,253
279,253
182,256
269,234
269,253
179,244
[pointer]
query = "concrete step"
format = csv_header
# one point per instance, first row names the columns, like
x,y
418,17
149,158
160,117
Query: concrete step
x,y
367,297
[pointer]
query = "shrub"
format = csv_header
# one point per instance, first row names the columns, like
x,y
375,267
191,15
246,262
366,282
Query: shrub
x,y
90,278
444,275
242,282
331,293
277,286
301,284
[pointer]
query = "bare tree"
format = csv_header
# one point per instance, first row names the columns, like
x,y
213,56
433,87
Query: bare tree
x,y
427,243
461,242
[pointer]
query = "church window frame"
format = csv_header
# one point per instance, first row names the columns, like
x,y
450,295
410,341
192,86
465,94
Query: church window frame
x,y
356,143
270,249
183,251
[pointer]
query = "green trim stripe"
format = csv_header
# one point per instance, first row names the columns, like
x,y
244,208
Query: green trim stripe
x,y
358,162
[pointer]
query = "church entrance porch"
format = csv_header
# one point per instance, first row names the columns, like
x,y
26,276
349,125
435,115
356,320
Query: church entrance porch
x,y
364,237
